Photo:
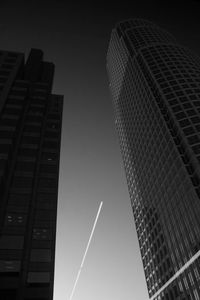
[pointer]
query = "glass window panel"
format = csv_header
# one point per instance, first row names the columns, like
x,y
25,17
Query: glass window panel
x,y
47,205
41,255
48,156
48,168
10,265
46,182
14,219
45,215
42,234
19,181
11,242
38,277
19,200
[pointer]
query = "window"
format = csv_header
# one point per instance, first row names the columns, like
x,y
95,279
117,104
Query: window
x,y
50,144
18,208
10,117
38,277
19,200
45,215
42,234
40,255
180,115
47,205
188,130
7,128
195,120
29,146
54,116
25,166
12,109
184,123
6,133
34,112
11,242
7,66
6,142
44,197
20,182
47,182
10,266
191,112
28,152
187,105
46,201
170,96
196,149
33,123
44,223
4,72
52,125
47,156
193,139
173,102
30,139
13,219
51,134
8,122
48,168
196,103
18,91
13,54
31,134
34,118
183,99
32,128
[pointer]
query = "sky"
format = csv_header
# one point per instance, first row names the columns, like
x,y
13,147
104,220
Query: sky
x,y
75,37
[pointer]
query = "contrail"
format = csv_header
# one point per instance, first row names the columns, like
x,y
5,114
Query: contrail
x,y
86,250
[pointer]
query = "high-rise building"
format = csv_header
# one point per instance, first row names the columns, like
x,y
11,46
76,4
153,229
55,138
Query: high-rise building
x,y
155,87
30,132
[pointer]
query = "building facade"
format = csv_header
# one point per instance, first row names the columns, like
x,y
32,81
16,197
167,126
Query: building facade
x,y
155,87
30,132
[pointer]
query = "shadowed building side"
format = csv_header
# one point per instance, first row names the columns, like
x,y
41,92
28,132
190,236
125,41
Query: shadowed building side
x,y
30,133
155,87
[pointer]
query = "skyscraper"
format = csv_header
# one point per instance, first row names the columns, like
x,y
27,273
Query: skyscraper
x,y
155,87
30,132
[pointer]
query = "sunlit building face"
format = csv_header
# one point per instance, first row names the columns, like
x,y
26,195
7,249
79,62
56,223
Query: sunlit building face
x,y
155,88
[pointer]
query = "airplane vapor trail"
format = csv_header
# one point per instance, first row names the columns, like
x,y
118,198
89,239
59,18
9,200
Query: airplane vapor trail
x,y
86,250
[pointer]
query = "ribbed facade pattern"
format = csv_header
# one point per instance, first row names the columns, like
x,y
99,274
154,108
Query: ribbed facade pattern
x,y
155,87
30,131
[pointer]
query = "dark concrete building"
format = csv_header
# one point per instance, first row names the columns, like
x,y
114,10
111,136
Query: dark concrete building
x,y
155,87
30,132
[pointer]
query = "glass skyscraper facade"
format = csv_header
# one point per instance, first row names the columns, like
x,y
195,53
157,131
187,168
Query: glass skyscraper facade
x,y
155,87
30,132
